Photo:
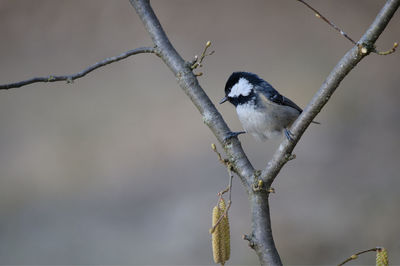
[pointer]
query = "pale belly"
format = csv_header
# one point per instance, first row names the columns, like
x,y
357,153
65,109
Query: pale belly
x,y
264,125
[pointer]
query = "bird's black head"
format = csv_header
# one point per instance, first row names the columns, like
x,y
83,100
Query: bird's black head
x,y
239,88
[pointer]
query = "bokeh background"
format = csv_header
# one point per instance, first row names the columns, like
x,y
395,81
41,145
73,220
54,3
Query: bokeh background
x,y
116,168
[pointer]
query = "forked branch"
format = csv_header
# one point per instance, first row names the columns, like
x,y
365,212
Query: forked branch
x,y
261,237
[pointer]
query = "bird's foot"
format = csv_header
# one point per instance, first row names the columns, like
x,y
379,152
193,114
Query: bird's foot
x,y
289,135
233,135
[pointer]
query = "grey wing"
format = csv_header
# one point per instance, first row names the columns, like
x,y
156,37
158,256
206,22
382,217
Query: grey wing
x,y
273,95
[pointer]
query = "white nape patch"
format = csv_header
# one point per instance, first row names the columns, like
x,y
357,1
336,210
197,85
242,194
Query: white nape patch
x,y
241,88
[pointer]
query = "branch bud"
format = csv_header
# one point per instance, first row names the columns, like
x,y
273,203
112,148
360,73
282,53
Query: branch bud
x,y
354,256
364,50
213,147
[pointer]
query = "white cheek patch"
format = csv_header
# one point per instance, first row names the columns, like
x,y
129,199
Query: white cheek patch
x,y
242,88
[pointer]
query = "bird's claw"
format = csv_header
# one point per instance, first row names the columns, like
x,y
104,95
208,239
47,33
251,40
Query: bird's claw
x,y
233,135
289,135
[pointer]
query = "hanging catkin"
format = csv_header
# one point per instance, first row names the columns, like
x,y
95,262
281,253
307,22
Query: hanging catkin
x,y
382,257
221,234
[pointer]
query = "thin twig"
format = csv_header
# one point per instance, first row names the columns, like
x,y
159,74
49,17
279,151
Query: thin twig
x,y
70,78
319,15
391,51
229,168
197,61
355,256
364,50
228,189
220,158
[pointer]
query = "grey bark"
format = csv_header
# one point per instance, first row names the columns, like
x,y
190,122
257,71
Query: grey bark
x,y
190,85
80,74
339,72
261,238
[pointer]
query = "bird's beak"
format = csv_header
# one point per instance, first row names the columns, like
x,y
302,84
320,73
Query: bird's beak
x,y
223,100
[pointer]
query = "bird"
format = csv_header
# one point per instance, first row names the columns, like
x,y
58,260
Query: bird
x,y
262,110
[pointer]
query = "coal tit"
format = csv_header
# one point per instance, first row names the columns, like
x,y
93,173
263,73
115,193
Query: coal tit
x,y
263,112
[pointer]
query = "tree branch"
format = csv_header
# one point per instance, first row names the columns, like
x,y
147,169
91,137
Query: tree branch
x,y
319,15
70,78
261,238
190,85
261,225
364,46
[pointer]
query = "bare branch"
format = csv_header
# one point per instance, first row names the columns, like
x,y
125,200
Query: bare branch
x,y
379,24
390,51
345,65
355,256
261,225
70,78
261,237
190,85
262,240
319,15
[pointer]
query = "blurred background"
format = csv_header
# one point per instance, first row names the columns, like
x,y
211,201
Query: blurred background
x,y
117,168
